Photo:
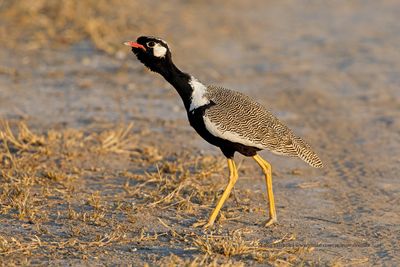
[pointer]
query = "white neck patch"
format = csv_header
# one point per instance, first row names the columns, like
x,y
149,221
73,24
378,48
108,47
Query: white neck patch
x,y
159,50
198,99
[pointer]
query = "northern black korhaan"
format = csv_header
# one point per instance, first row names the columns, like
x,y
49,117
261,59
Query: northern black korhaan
x,y
227,119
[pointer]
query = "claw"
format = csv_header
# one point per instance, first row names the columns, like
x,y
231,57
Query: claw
x,y
208,225
199,224
271,221
203,224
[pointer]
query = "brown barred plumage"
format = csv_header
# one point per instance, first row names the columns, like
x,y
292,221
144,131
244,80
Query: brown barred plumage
x,y
237,113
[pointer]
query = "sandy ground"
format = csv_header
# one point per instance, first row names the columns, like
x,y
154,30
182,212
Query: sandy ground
x,y
331,71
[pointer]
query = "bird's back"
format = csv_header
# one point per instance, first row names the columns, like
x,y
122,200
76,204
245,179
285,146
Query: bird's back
x,y
238,114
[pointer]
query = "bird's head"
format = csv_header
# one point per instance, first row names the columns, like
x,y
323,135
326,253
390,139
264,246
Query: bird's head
x,y
153,52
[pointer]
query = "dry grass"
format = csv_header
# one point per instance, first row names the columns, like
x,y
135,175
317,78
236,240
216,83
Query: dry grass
x,y
181,184
230,245
233,244
10,245
118,141
203,260
58,201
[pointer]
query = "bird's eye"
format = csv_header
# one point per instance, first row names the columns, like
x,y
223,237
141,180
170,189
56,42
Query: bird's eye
x,y
151,44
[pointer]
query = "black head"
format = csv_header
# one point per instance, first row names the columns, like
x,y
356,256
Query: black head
x,y
153,52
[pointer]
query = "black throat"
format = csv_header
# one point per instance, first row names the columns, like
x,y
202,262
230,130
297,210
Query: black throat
x,y
179,80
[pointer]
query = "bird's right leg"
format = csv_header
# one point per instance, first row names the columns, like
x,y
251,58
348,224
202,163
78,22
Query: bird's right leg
x,y
267,170
233,176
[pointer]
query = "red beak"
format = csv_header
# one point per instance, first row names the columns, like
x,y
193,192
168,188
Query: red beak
x,y
135,45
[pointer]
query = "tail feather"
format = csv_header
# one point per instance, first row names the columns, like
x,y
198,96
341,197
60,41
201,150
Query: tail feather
x,y
305,152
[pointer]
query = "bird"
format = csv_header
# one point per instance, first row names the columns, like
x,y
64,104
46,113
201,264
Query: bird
x,y
228,119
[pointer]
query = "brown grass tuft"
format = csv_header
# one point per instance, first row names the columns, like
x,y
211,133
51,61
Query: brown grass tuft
x,y
118,141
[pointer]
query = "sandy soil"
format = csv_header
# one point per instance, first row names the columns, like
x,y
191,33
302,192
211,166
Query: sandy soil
x,y
82,186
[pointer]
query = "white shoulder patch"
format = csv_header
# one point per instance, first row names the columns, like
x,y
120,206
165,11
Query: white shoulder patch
x,y
228,135
198,99
159,50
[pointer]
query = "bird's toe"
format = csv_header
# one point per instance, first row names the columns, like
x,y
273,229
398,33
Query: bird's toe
x,y
201,223
271,221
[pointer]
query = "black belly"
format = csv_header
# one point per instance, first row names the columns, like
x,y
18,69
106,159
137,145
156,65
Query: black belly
x,y
228,148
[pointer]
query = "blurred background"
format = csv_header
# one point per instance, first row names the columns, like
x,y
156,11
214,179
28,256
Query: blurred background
x,y
277,45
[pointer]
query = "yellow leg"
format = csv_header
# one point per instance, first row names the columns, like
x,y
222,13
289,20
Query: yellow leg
x,y
233,176
266,167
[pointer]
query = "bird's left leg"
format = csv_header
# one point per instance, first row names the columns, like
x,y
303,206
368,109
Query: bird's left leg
x,y
266,167
233,176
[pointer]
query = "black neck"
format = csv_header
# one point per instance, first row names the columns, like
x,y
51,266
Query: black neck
x,y
180,81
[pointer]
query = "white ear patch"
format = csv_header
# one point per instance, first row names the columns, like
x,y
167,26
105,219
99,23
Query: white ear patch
x,y
159,50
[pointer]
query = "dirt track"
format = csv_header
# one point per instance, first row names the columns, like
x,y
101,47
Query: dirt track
x,y
331,71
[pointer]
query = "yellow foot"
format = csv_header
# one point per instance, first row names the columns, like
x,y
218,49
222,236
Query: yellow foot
x,y
208,225
200,223
203,224
271,221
